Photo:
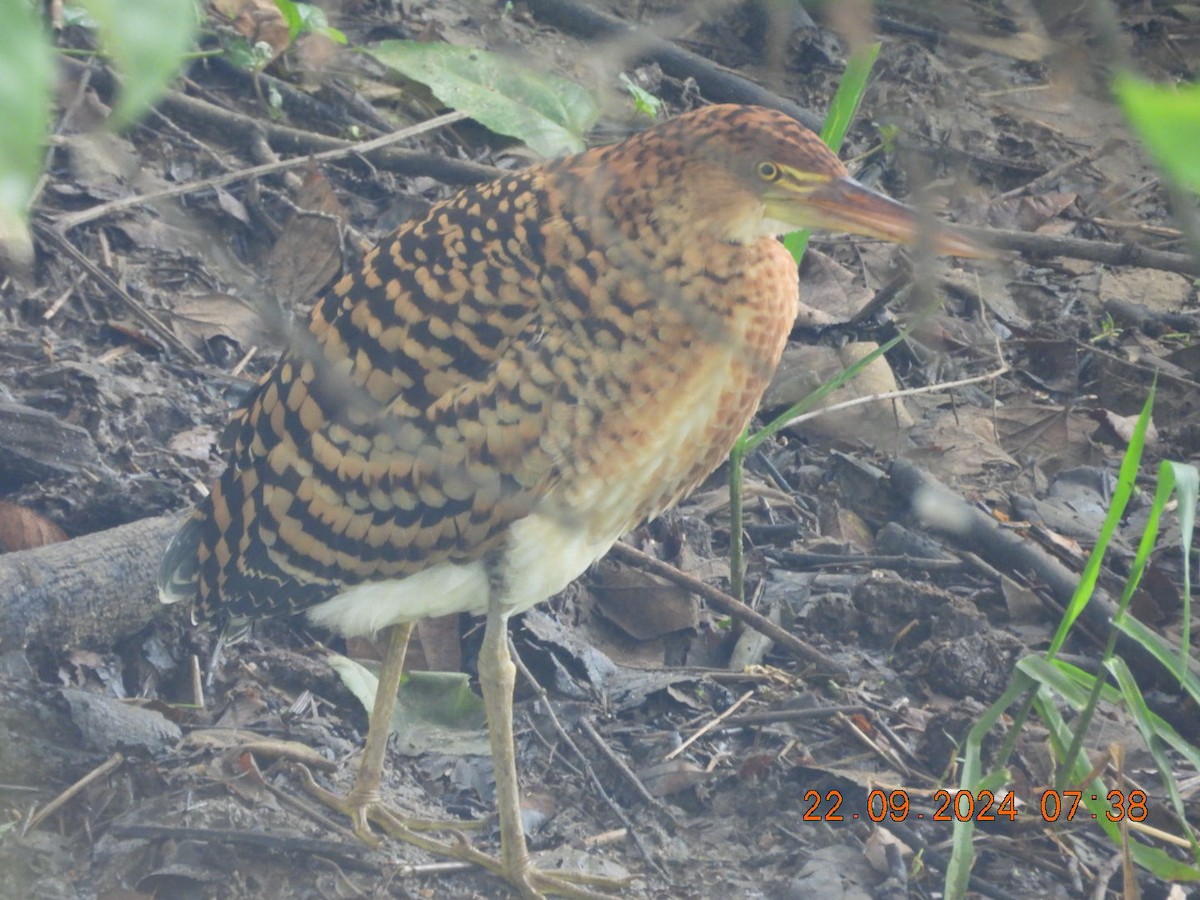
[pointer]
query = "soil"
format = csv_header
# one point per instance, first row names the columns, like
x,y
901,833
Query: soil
x,y
706,761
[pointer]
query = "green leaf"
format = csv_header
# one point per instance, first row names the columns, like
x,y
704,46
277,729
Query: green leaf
x,y
1126,481
435,711
250,57
842,110
1186,480
1148,726
548,113
1167,655
848,96
146,40
313,20
644,102
292,16
26,79
1167,119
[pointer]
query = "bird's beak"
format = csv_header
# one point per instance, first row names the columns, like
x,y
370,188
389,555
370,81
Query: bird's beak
x,y
842,204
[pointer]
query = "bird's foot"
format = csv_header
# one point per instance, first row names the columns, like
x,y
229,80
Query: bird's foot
x,y
532,883
364,808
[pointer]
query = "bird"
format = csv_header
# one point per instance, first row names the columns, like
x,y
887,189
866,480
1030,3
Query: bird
x,y
507,385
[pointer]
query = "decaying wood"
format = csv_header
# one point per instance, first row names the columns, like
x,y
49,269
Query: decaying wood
x,y
85,593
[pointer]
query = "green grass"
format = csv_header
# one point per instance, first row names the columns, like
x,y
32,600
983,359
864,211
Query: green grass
x,y
1166,120
841,113
1044,685
146,41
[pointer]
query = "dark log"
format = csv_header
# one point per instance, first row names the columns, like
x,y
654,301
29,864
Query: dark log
x,y
941,510
87,593
717,83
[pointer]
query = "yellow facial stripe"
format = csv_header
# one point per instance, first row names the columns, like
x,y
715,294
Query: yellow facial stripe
x,y
800,176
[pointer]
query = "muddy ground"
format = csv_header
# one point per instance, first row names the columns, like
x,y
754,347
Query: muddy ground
x,y
993,116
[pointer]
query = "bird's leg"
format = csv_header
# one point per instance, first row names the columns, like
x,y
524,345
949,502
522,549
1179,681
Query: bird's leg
x,y
363,804
365,792
497,678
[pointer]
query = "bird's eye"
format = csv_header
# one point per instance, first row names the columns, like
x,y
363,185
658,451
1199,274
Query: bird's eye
x,y
768,171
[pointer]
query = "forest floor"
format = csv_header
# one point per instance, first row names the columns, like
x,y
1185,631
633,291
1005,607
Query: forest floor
x,y
988,115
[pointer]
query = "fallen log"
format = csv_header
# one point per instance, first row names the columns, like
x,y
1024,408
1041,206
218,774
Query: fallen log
x,y
86,593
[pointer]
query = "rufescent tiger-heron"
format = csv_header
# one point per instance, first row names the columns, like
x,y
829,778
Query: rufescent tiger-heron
x,y
507,385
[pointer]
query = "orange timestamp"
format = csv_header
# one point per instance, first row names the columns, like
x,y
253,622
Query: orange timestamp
x,y
975,806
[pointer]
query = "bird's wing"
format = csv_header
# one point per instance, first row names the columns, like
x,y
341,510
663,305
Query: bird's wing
x,y
408,427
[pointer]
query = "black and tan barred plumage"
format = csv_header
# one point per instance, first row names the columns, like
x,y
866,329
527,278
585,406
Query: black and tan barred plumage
x,y
504,388
518,342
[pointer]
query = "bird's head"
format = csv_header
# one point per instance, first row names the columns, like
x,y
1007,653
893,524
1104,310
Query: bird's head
x,y
748,172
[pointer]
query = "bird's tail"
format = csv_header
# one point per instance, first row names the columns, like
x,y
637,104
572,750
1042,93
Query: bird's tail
x,y
179,573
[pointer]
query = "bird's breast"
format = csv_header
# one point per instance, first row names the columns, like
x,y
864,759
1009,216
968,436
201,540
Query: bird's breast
x,y
684,392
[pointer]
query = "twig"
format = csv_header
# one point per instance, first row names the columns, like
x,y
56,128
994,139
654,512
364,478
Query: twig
x,y
566,738
140,313
197,682
733,707
65,223
109,765
619,764
1161,231
261,839
804,561
883,752
774,716
1148,371
1046,177
895,395
729,606
1112,254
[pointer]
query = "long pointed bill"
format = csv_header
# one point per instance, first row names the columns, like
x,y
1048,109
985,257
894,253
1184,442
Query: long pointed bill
x,y
845,205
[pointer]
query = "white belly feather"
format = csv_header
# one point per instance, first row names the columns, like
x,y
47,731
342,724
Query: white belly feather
x,y
542,556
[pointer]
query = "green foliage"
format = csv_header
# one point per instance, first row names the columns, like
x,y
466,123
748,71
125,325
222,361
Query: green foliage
x,y
434,710
842,110
1108,330
146,41
304,18
26,80
644,102
1045,684
300,18
1167,119
888,133
251,57
548,113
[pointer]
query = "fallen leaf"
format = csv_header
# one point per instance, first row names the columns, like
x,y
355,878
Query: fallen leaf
x,y
308,253
435,711
23,529
1123,427
644,606
548,113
